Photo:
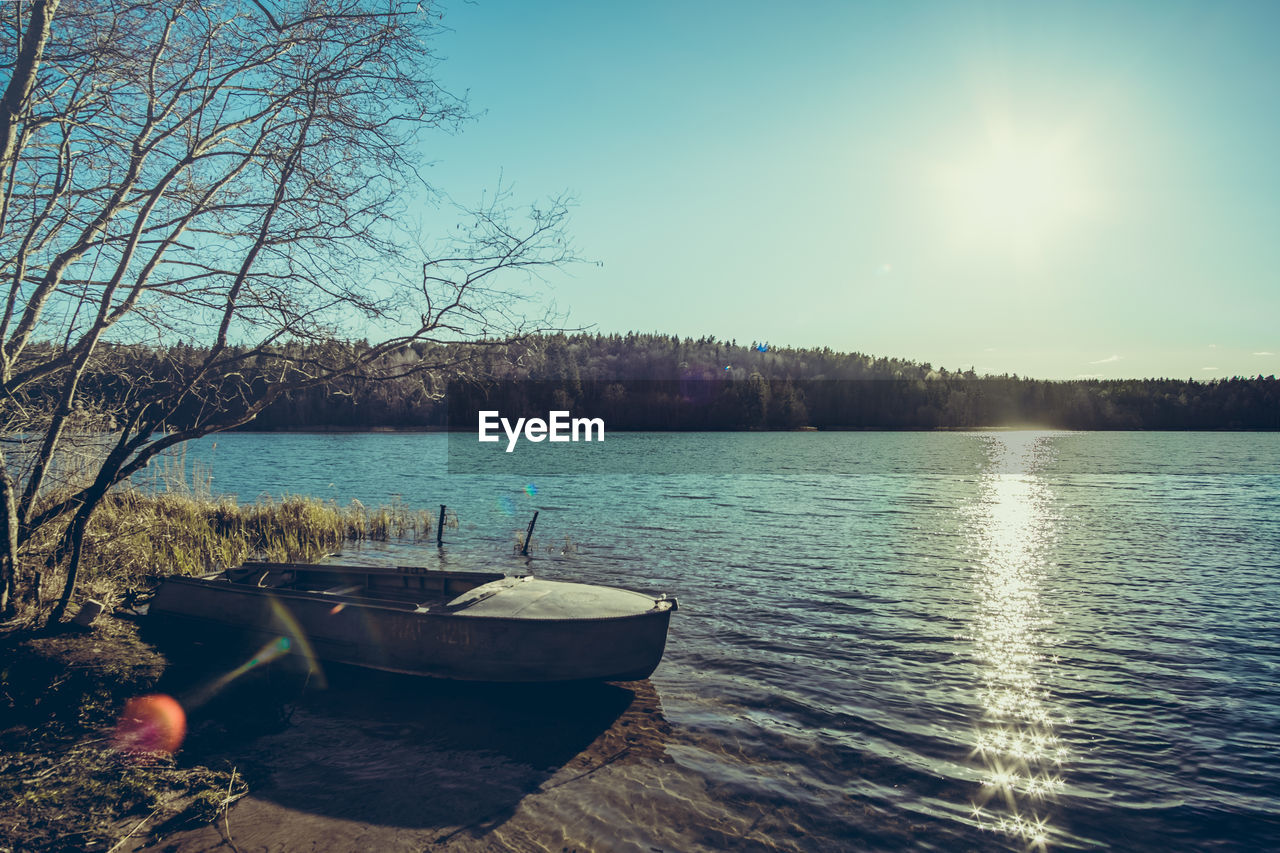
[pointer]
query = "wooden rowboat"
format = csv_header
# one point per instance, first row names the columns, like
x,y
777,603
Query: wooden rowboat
x,y
460,625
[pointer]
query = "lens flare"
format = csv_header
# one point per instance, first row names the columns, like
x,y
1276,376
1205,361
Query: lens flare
x,y
269,652
506,505
276,648
272,650
294,636
531,490
154,723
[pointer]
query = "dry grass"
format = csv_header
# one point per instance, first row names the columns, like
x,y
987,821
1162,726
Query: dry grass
x,y
169,522
135,536
173,525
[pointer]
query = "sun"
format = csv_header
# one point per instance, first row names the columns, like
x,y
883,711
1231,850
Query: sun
x,y
1012,191
1012,194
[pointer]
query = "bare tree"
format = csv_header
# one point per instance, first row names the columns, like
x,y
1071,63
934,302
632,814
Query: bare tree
x,y
234,173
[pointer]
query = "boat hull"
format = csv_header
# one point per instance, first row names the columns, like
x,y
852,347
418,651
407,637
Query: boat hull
x,y
404,638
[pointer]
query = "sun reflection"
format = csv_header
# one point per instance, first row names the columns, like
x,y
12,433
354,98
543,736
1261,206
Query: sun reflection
x,y
1015,740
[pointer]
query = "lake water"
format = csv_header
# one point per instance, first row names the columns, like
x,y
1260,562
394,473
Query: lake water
x,y
950,641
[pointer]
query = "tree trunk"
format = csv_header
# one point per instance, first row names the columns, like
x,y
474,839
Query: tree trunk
x,y
14,100
8,544
73,539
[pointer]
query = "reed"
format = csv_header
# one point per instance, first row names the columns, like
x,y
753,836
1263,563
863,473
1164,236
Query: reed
x,y
136,535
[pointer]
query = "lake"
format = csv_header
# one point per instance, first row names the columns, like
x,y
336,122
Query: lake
x,y
950,641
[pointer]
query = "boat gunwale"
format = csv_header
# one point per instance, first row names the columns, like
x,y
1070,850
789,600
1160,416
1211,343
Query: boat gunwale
x,y
346,568
220,582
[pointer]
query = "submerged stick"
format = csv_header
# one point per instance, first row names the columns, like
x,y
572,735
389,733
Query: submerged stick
x,y
440,528
528,537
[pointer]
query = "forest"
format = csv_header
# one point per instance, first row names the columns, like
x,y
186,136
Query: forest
x,y
638,381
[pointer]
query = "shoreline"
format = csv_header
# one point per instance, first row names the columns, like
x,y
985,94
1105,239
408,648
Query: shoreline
x,y
385,430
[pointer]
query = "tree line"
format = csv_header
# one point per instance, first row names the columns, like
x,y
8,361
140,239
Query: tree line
x,y
662,382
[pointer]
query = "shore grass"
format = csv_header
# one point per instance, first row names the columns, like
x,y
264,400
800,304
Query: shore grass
x,y
138,536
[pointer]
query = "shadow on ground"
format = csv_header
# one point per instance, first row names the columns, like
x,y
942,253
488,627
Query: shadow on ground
x,y
371,752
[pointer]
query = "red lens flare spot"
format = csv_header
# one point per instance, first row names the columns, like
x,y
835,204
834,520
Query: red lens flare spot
x,y
154,723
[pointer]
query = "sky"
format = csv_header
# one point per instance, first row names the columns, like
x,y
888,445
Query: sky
x,y
1084,189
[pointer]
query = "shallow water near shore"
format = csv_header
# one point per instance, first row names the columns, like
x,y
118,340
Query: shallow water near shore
x,y
951,641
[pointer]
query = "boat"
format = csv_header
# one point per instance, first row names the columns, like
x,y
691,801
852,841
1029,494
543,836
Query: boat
x,y
448,624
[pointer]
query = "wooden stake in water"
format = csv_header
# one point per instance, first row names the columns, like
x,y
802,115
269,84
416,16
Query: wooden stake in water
x,y
440,528
528,536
